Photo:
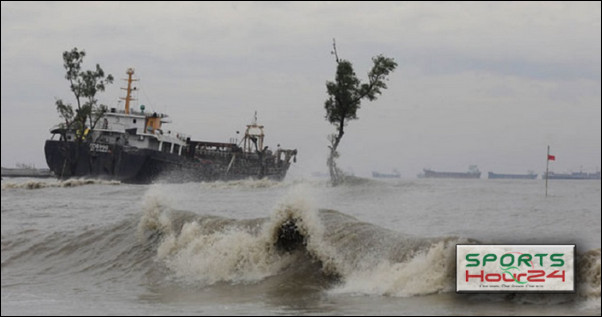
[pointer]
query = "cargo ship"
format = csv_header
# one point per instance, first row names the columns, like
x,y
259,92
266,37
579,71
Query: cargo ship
x,y
473,172
531,175
135,147
575,175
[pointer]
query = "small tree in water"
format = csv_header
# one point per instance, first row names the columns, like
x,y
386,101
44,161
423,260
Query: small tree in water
x,y
345,96
84,85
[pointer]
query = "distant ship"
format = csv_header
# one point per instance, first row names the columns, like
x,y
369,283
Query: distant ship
x,y
395,174
576,175
473,172
531,175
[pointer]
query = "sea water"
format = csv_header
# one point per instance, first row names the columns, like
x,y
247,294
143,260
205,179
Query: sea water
x,y
372,247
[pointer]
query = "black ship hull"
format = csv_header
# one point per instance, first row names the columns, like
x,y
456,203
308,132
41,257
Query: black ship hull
x,y
143,166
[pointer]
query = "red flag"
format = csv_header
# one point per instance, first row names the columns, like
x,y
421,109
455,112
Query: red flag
x,y
551,157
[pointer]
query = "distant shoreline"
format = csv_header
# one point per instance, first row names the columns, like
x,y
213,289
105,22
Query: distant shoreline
x,y
27,172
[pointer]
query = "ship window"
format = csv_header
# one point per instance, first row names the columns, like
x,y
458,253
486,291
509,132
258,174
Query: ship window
x,y
166,147
176,148
134,120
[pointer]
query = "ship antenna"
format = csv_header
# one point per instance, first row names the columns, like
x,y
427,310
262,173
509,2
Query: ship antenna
x,y
128,96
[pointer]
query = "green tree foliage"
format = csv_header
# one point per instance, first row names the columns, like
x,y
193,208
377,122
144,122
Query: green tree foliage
x,y
84,85
87,111
345,95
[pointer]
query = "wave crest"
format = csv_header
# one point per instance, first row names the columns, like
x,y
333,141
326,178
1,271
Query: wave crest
x,y
75,182
588,274
338,251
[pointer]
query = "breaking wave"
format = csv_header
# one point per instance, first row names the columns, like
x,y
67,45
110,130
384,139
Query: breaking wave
x,y
298,246
588,275
75,182
333,251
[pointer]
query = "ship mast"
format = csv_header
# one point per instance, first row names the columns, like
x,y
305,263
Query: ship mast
x,y
254,135
128,96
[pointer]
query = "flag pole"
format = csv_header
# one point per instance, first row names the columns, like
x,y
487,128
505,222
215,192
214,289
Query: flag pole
x,y
547,164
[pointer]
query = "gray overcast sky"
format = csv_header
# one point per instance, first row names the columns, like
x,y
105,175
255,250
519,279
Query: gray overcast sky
x,y
484,83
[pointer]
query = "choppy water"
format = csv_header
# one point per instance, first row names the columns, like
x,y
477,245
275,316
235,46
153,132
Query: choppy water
x,y
372,247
